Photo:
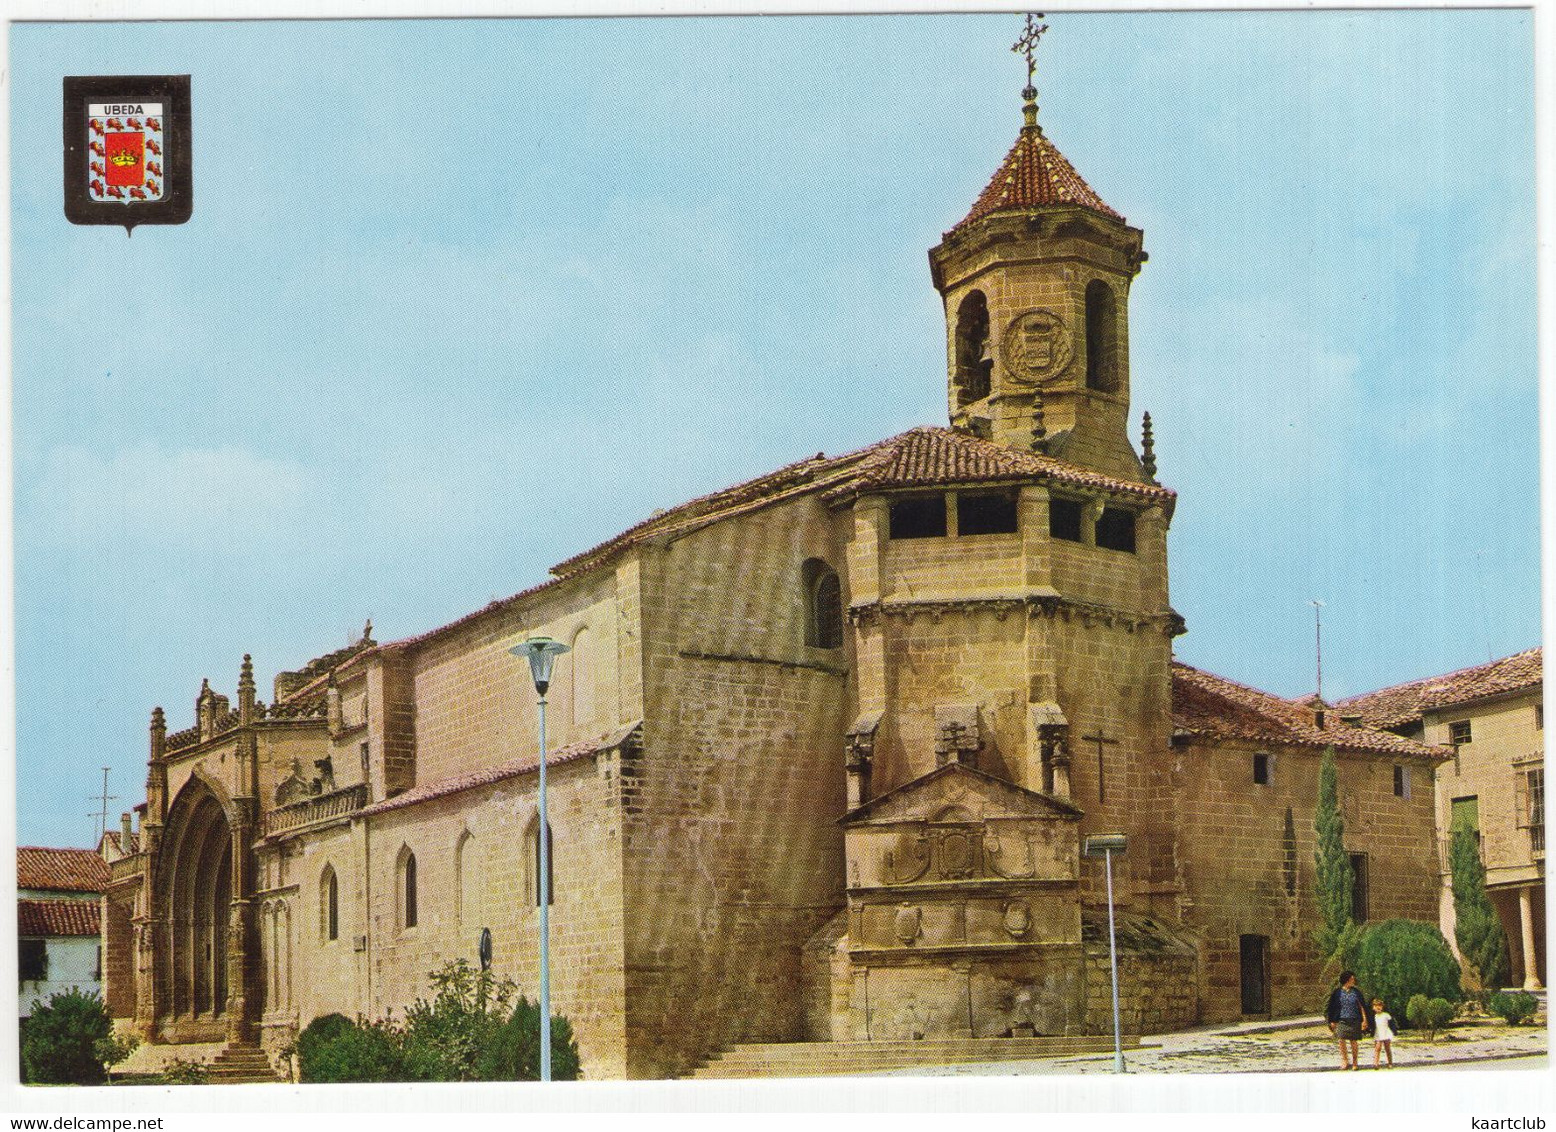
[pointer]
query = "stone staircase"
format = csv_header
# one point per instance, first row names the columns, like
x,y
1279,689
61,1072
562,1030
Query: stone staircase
x,y
242,1064
822,1059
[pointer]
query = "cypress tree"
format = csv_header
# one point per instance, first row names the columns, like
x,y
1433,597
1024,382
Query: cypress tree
x,y
1334,876
1476,929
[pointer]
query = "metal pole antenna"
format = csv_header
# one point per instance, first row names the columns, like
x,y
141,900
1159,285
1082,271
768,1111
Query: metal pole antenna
x,y
1318,645
545,909
1118,1041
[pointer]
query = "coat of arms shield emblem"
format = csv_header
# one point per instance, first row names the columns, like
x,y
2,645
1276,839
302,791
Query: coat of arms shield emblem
x,y
127,149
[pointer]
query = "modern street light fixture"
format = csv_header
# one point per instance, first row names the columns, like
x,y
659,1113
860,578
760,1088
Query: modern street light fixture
x,y
1105,845
541,652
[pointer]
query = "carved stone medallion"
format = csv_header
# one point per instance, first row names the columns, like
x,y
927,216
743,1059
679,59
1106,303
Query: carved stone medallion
x,y
908,921
1036,347
1017,918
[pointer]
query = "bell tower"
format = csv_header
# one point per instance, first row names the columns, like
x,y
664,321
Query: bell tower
x,y
1035,281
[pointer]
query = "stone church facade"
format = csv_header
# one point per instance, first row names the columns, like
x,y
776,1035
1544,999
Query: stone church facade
x,y
824,748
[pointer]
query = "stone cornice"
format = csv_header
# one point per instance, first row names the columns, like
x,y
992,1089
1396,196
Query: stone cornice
x,y
1044,604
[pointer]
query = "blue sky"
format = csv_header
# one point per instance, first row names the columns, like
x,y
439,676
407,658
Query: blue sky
x,y
671,254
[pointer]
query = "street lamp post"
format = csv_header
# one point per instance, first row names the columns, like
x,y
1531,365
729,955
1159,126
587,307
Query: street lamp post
x,y
1105,845
541,652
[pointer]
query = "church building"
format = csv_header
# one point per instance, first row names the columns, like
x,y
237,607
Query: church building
x,y
825,747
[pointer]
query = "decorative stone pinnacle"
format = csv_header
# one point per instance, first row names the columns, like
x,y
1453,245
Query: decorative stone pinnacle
x,y
157,718
367,631
1039,429
1148,449
246,674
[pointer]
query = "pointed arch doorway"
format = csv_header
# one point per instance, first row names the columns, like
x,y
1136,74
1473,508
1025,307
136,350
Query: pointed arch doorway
x,y
195,887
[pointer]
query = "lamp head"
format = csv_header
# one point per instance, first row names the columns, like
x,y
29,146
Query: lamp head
x,y
1103,844
541,652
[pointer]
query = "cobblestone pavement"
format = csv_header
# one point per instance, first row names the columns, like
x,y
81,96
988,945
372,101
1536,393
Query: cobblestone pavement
x,y
1295,1045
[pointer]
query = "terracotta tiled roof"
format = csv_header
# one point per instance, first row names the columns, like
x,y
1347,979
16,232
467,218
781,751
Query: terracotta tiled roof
x,y
510,769
1213,706
930,457
1033,174
65,870
1390,707
36,918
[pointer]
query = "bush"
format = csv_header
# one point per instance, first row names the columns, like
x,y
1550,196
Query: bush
x,y
334,1049
465,1032
1429,1014
1399,959
59,1045
1515,1009
514,1053
443,1039
182,1072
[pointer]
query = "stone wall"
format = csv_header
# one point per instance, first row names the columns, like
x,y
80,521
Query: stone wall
x,y
1247,860
733,855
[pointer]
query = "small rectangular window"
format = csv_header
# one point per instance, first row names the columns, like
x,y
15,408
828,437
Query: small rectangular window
x,y
1539,717
32,956
1261,768
1359,887
1401,781
1459,732
985,514
918,518
1116,529
1064,519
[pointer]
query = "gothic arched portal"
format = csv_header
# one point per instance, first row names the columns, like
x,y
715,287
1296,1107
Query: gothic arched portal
x,y
195,886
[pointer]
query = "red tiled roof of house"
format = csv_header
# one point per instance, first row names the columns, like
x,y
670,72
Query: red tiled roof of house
x,y
1213,706
1390,707
1034,174
65,870
35,918
510,769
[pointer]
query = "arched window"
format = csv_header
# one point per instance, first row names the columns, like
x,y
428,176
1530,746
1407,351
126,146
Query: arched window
x,y
467,870
532,863
823,605
1101,337
974,358
581,678
329,904
406,889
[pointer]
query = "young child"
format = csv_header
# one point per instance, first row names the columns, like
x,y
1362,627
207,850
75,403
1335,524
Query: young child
x,y
1382,1033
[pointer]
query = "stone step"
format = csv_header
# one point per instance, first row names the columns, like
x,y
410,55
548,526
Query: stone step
x,y
812,1059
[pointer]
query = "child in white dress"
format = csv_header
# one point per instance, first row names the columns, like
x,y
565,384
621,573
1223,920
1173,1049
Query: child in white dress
x,y
1382,1033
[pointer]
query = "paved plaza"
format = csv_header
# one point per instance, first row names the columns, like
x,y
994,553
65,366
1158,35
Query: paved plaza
x,y
1292,1045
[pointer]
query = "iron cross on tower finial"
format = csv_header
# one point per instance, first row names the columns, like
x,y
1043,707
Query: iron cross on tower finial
x,y
1031,32
1027,44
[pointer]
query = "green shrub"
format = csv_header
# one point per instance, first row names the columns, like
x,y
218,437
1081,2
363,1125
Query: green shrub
x,y
59,1043
443,1038
514,1052
1515,1009
182,1072
1429,1014
1399,959
357,1051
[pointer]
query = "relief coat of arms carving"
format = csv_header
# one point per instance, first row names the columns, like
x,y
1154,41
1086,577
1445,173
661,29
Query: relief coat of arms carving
x,y
1035,347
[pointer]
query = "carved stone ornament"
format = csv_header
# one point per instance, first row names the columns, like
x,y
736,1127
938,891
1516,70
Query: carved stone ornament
x,y
1036,347
908,921
1018,918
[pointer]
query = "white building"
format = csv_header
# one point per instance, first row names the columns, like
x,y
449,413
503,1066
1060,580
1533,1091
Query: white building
x,y
59,943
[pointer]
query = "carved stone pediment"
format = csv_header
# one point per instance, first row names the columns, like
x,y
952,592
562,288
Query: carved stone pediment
x,y
980,796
